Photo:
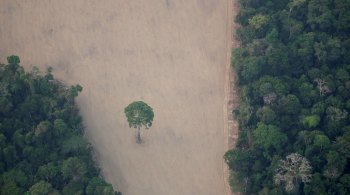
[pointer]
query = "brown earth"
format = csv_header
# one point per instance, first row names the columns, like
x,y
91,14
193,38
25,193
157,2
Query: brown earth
x,y
171,54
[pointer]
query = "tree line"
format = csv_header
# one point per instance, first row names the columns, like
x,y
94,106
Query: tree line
x,y
42,149
293,68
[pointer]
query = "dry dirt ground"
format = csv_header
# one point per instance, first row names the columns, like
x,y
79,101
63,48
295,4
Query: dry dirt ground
x,y
168,53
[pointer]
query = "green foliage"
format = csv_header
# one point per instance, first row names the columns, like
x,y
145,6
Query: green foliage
x,y
13,59
266,115
335,165
239,160
42,150
48,171
139,114
99,187
15,175
267,136
251,68
321,141
311,121
74,144
73,92
40,188
10,188
73,168
290,104
293,74
235,183
258,21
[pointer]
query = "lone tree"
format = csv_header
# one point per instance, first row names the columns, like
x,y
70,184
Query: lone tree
x,y
139,114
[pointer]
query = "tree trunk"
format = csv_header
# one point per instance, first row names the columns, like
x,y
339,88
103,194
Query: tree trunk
x,y
138,135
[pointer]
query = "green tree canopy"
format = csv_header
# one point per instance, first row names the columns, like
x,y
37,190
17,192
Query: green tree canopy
x,y
42,148
99,187
293,67
138,115
40,188
267,136
311,121
73,168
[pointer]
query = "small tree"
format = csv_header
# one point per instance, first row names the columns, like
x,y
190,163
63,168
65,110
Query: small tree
x,y
139,114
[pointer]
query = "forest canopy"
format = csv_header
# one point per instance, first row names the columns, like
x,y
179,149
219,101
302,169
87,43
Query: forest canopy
x,y
293,68
42,148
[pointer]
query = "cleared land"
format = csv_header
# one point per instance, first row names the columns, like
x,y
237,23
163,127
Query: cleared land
x,y
168,53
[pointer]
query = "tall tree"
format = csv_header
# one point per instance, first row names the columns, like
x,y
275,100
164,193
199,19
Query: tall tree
x,y
139,114
293,170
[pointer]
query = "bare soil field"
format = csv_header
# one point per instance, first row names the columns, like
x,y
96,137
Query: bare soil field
x,y
171,54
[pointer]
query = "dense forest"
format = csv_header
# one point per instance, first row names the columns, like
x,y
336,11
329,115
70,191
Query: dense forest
x,y
42,149
293,68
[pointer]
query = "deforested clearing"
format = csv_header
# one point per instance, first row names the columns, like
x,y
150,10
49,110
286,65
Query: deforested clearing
x,y
168,53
